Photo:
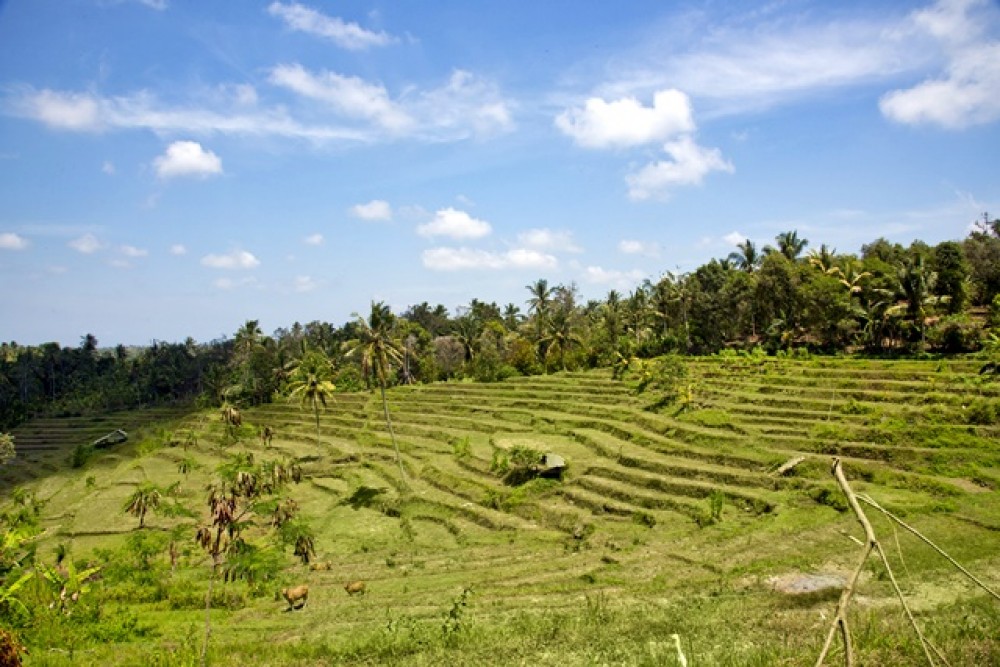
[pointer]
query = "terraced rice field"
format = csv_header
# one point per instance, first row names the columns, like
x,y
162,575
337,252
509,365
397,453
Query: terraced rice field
x,y
632,519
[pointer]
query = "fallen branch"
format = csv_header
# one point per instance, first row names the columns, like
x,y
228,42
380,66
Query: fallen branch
x,y
788,465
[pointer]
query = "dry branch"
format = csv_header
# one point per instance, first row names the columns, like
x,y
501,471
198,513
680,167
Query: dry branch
x,y
871,544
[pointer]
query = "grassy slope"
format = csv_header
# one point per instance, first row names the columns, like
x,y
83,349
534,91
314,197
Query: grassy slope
x,y
573,572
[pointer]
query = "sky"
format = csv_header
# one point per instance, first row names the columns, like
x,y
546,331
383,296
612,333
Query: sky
x,y
173,168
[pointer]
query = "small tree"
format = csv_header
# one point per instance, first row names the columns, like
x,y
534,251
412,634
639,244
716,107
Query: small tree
x,y
145,498
311,382
7,451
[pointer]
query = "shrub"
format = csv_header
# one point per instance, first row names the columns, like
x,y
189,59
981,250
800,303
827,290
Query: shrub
x,y
983,411
955,334
81,454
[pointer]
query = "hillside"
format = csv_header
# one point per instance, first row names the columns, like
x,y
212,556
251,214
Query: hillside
x,y
668,521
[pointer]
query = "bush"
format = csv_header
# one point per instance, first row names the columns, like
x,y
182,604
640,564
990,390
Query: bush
x,y
955,334
983,411
81,454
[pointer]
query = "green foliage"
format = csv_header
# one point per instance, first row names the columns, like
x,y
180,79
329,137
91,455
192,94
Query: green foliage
x,y
462,448
80,455
983,411
7,451
955,334
454,621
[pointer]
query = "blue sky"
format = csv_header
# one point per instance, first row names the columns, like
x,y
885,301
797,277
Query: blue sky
x,y
172,168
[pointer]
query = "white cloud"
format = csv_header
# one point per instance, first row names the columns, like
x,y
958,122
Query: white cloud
x,y
187,158
465,106
120,263
305,284
229,283
237,259
132,251
626,122
349,95
313,239
965,96
87,112
689,163
374,211
86,244
600,276
12,241
734,238
459,259
547,239
455,224
108,168
178,249
63,111
633,247
345,35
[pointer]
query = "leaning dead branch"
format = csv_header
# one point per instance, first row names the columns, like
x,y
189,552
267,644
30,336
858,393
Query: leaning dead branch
x,y
871,543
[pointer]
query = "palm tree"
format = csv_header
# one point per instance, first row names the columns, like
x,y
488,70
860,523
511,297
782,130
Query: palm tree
x,y
790,245
824,259
916,284
145,498
378,352
538,304
746,258
311,382
561,335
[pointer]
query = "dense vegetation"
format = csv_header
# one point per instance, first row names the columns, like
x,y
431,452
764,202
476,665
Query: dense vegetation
x,y
696,501
890,299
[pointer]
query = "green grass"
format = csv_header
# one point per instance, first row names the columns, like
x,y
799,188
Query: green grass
x,y
665,522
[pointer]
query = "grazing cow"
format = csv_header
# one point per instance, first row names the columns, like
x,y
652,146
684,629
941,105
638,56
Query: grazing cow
x,y
353,587
296,594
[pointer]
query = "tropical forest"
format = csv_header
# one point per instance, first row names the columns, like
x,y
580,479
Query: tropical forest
x,y
786,456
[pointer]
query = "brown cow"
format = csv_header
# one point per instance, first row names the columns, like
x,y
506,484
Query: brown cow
x,y
325,566
353,587
295,594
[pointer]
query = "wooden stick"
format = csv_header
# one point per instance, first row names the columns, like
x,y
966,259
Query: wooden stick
x,y
840,618
932,545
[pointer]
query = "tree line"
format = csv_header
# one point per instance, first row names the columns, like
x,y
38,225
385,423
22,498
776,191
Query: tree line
x,y
887,299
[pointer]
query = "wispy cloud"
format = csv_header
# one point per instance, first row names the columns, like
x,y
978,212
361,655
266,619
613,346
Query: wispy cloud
x,y
965,93
376,210
597,275
465,106
313,239
644,248
235,259
12,241
342,33
548,239
461,259
86,244
133,252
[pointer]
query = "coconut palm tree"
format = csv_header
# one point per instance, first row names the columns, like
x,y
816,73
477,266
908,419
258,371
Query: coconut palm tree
x,y
378,352
538,304
790,245
746,257
145,498
311,382
561,335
